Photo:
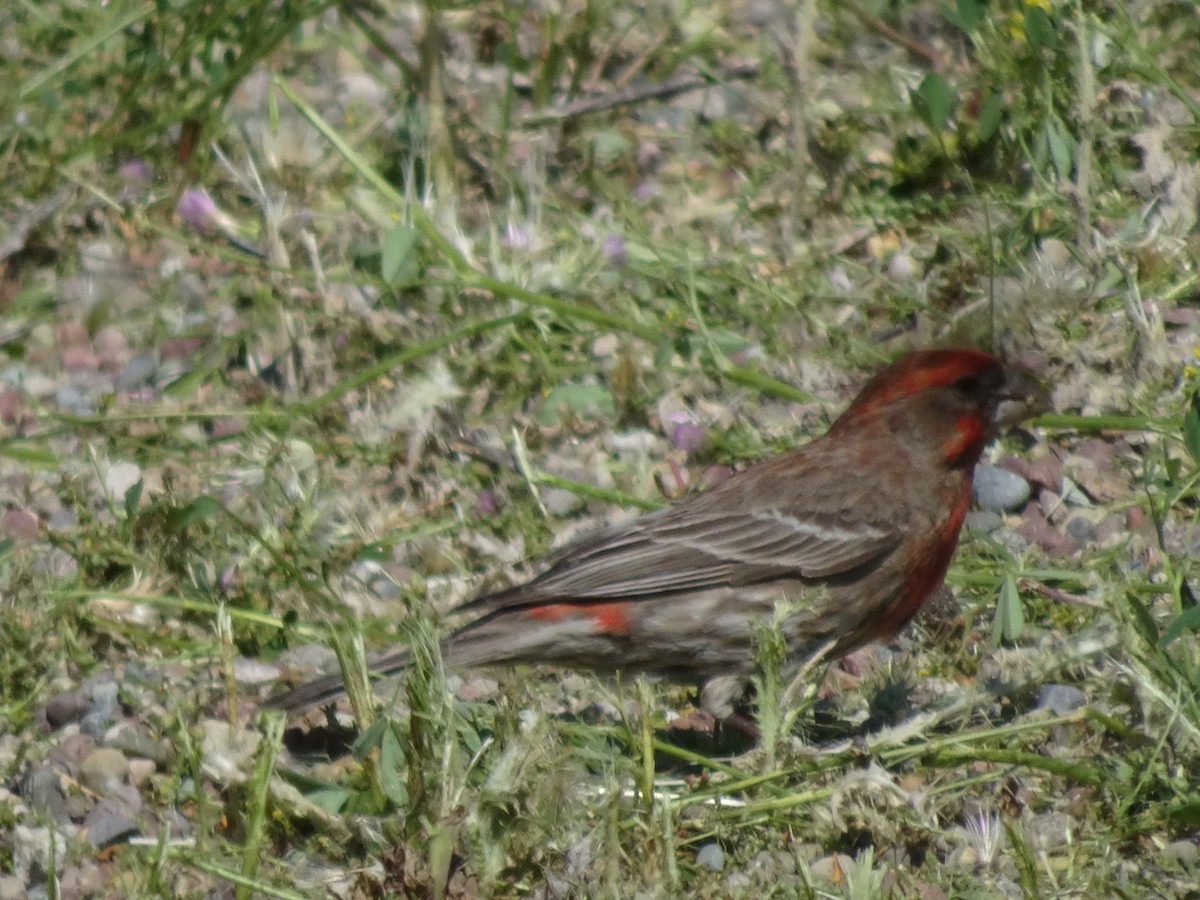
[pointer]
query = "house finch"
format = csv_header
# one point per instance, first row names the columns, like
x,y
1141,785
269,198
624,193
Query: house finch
x,y
853,531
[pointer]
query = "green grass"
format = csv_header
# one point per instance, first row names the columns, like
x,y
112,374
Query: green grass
x,y
442,295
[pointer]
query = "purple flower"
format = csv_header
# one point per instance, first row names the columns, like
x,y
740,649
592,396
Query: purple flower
x,y
688,437
136,172
198,210
615,253
517,236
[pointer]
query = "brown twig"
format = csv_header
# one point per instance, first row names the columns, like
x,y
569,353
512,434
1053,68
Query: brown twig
x,y
886,31
662,90
1058,595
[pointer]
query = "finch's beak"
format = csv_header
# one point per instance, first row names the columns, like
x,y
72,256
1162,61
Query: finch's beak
x,y
1022,397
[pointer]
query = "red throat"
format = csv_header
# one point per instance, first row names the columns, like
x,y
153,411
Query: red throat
x,y
928,571
967,440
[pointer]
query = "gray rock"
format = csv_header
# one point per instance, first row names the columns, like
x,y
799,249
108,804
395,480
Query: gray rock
x,y
102,691
133,740
69,706
827,867
562,502
120,477
308,659
710,856
1184,853
137,373
109,821
104,771
75,398
11,888
736,883
998,489
1050,830
1082,529
984,521
249,671
1061,698
95,723
84,880
70,753
580,857
42,790
140,770
31,853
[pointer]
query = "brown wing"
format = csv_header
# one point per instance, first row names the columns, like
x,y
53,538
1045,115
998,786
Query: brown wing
x,y
732,535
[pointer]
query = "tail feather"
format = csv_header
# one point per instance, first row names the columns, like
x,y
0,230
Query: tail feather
x,y
328,688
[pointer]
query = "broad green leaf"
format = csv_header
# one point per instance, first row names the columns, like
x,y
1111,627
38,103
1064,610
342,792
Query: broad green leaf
x,y
332,800
391,768
1143,621
398,262
1039,29
1191,429
133,496
608,146
1188,620
989,116
1061,146
967,14
1010,616
934,101
584,401
370,739
203,507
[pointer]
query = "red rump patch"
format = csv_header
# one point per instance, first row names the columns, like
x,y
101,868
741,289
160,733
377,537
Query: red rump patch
x,y
608,618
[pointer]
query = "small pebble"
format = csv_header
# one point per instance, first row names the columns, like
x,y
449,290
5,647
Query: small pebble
x,y
12,406
71,334
31,853
138,373
1184,852
1049,831
140,771
42,790
998,489
69,706
254,671
74,398
903,268
562,502
1061,698
109,821
711,857
104,771
110,339
80,359
84,880
70,753
133,740
120,477
833,868
19,524
984,521
580,857
1081,529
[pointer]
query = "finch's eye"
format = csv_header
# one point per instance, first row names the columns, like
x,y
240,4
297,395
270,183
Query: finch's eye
x,y
969,384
